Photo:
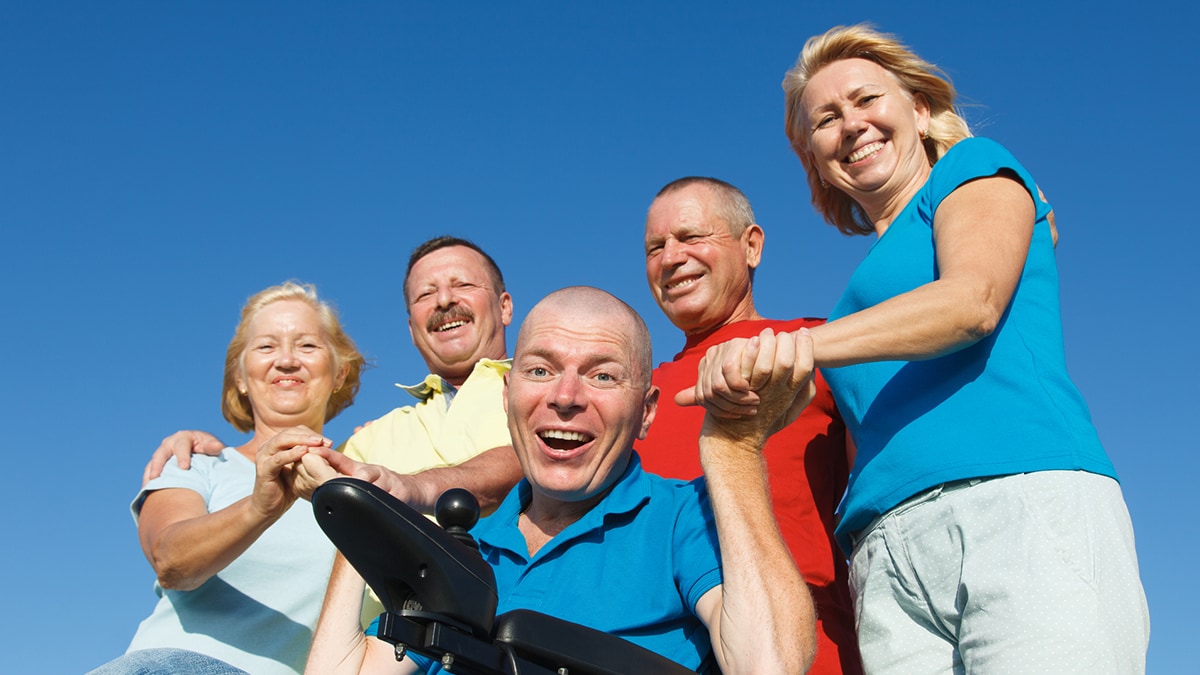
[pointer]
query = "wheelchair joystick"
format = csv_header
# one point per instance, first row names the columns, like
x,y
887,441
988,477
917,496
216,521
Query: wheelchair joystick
x,y
457,511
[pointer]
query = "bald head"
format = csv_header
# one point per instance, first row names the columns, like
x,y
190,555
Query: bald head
x,y
590,304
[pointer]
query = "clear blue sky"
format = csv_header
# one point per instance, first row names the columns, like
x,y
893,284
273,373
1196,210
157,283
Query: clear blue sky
x,y
159,162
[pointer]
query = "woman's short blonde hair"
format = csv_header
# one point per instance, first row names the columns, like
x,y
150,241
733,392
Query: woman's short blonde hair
x,y
236,406
917,76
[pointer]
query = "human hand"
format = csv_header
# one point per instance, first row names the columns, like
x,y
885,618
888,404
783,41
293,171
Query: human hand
x,y
408,488
275,478
181,445
778,369
311,472
364,425
722,384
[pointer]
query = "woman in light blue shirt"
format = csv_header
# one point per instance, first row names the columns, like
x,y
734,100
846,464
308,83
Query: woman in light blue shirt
x,y
241,566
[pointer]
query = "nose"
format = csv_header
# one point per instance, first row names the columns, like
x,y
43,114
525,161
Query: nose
x,y
672,253
568,393
854,123
287,358
445,297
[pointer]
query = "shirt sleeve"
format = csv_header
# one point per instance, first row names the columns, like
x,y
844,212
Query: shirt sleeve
x,y
197,479
697,549
974,158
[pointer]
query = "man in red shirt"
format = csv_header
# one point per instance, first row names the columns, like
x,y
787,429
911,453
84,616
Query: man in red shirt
x,y
702,246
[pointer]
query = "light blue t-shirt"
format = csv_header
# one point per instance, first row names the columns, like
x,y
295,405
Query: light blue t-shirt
x,y
634,566
258,613
1004,405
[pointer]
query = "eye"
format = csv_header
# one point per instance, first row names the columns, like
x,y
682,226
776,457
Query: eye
x,y
606,379
868,100
824,121
654,250
538,372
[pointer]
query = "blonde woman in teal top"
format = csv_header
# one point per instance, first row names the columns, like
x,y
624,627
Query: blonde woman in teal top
x,y
986,530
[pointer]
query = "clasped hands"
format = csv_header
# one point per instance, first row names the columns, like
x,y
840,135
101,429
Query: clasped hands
x,y
753,387
305,460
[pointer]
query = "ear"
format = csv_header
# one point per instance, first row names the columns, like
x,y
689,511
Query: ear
x,y
921,105
341,376
752,244
649,410
504,394
506,308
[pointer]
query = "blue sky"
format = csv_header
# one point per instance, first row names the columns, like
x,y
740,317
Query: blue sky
x,y
159,162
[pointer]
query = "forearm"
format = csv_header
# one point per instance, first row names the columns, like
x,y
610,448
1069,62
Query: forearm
x,y
489,476
189,552
767,620
933,320
339,645
981,238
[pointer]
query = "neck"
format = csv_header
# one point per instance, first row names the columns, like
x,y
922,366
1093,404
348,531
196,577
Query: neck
x,y
547,517
743,311
883,209
456,378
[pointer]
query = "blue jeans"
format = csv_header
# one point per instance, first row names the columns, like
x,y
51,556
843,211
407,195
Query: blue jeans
x,y
166,661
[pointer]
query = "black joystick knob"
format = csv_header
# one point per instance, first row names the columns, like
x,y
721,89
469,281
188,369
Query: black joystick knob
x,y
457,511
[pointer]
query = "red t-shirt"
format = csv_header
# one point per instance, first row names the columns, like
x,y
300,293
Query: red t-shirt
x,y
807,467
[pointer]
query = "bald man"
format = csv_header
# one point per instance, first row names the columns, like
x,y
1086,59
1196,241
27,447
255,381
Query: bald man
x,y
698,574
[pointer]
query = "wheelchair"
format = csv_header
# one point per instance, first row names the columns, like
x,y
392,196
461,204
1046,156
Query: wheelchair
x,y
439,595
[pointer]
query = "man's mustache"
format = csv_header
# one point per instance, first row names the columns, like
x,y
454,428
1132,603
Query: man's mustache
x,y
442,317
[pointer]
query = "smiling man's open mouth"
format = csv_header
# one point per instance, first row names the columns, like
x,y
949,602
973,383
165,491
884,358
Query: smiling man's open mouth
x,y
564,440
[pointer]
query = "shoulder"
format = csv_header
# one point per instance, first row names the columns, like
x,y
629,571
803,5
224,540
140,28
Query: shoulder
x,y
203,468
796,324
360,444
685,500
973,158
205,474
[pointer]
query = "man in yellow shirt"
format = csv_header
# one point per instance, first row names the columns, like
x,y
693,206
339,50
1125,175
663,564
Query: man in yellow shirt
x,y
456,434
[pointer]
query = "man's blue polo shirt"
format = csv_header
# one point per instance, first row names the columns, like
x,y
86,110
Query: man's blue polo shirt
x,y
634,566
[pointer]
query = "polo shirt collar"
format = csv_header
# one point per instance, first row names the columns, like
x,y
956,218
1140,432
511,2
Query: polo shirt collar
x,y
434,384
425,389
500,530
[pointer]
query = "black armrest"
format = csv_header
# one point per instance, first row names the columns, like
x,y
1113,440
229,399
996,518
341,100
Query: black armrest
x,y
555,644
411,563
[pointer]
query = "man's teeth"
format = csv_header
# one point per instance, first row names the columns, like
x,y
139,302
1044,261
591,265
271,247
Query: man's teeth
x,y
450,326
566,435
864,152
680,284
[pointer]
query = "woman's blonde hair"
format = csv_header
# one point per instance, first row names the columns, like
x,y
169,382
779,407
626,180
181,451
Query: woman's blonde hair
x,y
917,76
235,405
